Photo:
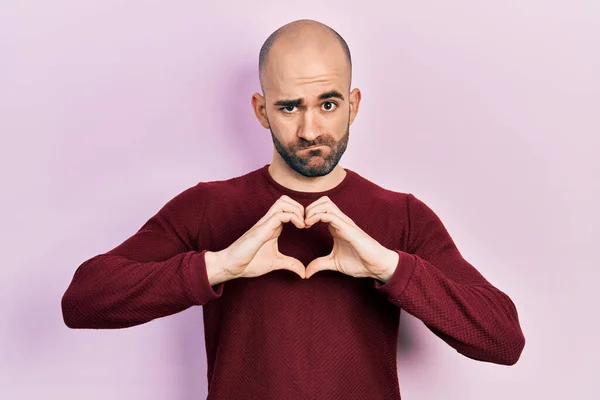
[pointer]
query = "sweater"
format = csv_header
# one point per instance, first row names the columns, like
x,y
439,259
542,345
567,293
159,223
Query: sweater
x,y
278,336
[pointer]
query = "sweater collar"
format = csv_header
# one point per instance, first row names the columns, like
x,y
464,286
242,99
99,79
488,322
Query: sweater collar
x,y
350,176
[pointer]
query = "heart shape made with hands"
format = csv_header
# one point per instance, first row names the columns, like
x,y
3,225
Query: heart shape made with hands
x,y
354,252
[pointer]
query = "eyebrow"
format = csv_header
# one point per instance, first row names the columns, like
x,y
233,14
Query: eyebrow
x,y
296,102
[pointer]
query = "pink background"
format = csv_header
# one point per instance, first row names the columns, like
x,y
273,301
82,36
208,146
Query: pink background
x,y
490,113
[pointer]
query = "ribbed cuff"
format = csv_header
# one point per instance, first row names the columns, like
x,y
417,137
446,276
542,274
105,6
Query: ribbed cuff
x,y
394,287
197,279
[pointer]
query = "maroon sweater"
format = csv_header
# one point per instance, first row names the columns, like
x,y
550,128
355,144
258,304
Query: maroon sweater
x,y
278,336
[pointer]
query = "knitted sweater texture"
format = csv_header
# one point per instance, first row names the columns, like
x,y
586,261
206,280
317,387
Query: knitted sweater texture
x,y
279,336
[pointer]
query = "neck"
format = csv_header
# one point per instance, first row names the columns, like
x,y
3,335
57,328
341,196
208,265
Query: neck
x,y
285,176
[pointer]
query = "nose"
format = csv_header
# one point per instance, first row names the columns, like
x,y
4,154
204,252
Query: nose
x,y
308,129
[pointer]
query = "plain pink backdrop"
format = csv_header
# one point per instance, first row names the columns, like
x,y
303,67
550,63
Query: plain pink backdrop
x,y
489,112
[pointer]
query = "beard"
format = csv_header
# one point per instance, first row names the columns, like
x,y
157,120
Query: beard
x,y
315,162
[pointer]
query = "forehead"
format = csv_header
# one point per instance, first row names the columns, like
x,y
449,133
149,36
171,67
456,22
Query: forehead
x,y
306,73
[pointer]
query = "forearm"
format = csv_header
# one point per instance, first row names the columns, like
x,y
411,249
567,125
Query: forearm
x,y
475,318
110,291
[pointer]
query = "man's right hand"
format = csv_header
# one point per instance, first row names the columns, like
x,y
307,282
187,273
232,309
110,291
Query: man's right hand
x,y
256,252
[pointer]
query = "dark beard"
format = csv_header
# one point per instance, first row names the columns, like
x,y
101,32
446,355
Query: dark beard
x,y
301,164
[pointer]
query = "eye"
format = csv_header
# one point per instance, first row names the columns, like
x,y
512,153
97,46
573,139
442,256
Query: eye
x,y
329,106
288,109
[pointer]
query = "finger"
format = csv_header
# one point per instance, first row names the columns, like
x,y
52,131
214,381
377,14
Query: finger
x,y
284,217
286,203
288,199
320,264
316,203
282,206
328,217
327,207
290,264
273,226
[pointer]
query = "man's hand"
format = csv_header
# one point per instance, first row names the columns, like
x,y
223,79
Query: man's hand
x,y
354,252
256,252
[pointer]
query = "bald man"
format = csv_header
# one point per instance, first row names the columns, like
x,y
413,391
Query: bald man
x,y
302,267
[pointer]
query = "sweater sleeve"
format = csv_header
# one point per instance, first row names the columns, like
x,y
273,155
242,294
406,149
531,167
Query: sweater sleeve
x,y
434,283
156,272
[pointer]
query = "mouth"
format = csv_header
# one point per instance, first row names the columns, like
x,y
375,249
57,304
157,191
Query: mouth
x,y
313,147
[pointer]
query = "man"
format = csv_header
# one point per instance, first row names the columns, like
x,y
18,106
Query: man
x,y
301,266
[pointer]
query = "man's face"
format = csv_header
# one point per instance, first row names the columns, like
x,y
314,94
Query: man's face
x,y
306,104
312,136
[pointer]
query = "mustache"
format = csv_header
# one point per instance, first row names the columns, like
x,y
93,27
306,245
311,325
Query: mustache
x,y
301,146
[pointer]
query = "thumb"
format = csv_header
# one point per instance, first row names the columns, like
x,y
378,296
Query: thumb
x,y
320,264
291,264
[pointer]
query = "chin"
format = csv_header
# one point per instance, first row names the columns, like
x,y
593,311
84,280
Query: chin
x,y
313,169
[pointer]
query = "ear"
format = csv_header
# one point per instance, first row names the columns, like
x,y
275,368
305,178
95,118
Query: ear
x,y
258,104
355,97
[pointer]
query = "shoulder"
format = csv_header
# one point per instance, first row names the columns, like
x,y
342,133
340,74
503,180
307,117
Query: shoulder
x,y
404,203
205,192
378,194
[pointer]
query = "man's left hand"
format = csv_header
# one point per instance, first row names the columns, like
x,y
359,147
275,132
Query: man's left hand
x,y
354,252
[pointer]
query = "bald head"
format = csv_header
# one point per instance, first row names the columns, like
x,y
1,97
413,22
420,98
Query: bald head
x,y
305,74
307,37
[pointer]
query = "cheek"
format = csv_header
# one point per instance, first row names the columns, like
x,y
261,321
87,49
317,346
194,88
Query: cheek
x,y
284,126
338,124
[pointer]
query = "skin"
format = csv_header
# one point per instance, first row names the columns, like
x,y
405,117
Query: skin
x,y
305,63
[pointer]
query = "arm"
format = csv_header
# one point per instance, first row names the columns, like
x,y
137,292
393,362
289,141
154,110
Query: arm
x,y
434,283
155,273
